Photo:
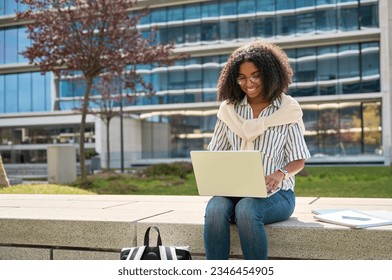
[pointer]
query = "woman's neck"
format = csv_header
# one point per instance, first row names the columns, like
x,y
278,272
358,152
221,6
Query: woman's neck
x,y
257,105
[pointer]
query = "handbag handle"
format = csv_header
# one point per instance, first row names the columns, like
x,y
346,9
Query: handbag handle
x,y
147,237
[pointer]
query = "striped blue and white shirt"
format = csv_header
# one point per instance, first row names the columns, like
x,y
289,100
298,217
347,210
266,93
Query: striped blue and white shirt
x,y
279,145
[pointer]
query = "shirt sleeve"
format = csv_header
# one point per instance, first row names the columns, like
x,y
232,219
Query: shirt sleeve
x,y
219,141
296,147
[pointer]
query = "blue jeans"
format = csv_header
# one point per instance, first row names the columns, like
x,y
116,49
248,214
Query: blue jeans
x,y
250,215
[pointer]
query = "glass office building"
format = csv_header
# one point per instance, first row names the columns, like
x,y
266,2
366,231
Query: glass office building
x,y
339,51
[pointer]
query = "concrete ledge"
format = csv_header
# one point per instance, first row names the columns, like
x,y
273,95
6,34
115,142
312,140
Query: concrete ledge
x,y
97,227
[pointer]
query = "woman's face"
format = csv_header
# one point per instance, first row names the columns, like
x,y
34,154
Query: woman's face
x,y
249,80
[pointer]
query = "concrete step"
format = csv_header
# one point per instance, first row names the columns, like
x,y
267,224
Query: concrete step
x,y
99,226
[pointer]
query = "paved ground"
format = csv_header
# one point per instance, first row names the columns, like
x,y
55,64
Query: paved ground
x,y
131,207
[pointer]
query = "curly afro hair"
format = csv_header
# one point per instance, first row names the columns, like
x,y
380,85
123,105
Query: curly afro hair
x,y
271,60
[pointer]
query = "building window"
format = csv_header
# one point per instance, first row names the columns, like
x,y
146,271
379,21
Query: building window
x,y
265,27
158,15
341,129
210,32
228,30
175,13
192,11
348,19
41,137
246,6
192,34
285,25
332,129
337,69
175,34
327,68
245,19
368,15
326,21
372,136
209,9
306,23
370,67
246,28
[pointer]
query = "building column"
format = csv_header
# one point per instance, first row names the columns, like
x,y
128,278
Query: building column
x,y
385,12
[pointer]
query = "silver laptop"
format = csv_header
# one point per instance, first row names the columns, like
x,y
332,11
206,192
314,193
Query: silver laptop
x,y
229,173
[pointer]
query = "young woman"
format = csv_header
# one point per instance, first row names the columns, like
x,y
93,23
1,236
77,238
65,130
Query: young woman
x,y
256,114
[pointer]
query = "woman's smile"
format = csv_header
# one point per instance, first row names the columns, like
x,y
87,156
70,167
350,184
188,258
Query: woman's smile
x,y
249,79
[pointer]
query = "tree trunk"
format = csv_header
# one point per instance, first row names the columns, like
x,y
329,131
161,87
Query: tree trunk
x,y
4,182
108,145
82,159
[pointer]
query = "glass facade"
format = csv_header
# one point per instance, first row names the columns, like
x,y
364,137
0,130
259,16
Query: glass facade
x,y
9,7
328,69
336,69
215,22
332,129
25,92
341,129
40,137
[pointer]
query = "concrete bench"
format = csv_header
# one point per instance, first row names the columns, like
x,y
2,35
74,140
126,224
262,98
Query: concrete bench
x,y
98,226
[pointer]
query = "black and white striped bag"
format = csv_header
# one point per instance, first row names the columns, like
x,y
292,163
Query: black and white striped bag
x,y
159,252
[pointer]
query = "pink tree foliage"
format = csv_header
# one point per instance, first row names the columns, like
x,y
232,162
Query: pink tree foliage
x,y
91,37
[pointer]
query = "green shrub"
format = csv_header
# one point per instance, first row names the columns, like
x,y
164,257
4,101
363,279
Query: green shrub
x,y
178,169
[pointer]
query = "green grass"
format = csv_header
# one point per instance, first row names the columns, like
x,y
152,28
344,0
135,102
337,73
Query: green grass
x,y
157,185
42,189
347,181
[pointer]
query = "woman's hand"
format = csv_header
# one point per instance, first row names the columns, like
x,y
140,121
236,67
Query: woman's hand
x,y
273,181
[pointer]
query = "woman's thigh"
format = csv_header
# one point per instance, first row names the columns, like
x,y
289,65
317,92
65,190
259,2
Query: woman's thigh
x,y
275,208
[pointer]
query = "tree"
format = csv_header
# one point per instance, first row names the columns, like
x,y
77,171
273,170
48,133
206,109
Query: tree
x,y
4,182
109,98
92,37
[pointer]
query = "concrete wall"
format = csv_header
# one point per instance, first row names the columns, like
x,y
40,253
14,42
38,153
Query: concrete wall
x,y
156,140
385,10
61,164
132,141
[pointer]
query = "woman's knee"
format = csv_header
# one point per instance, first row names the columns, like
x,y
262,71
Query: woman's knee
x,y
218,207
246,210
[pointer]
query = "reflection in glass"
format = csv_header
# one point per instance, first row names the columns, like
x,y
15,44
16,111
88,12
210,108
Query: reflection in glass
x,y
246,28
2,93
369,15
350,132
372,134
306,23
326,21
11,100
347,128
285,25
265,27
246,6
210,32
25,101
192,11
228,30
348,19
192,34
11,45
210,9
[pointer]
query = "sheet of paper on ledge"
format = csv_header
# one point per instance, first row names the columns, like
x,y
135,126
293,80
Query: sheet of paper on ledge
x,y
353,218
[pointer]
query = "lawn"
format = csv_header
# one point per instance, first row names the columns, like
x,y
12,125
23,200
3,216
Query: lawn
x,y
347,181
42,189
178,179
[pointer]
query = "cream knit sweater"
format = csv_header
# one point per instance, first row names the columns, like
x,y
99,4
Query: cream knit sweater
x,y
288,112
